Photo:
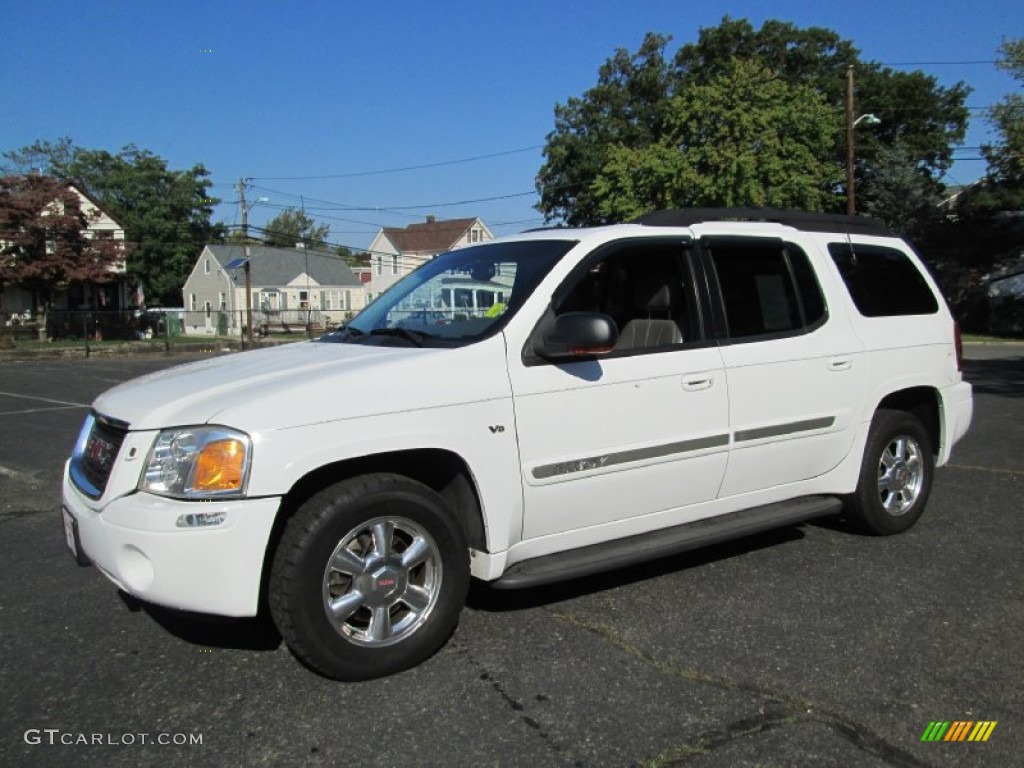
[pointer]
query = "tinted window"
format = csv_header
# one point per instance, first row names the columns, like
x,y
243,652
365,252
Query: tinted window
x,y
882,281
767,288
646,288
812,301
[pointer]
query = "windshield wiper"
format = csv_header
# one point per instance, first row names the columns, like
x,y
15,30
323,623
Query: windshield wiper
x,y
416,337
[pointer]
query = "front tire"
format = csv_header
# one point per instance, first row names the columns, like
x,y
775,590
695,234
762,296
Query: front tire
x,y
895,476
369,577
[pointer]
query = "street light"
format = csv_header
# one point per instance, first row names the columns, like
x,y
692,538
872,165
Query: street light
x,y
851,123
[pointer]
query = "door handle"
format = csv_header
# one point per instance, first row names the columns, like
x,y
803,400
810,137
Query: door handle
x,y
697,384
840,364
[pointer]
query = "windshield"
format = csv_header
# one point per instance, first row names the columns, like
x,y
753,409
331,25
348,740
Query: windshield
x,y
455,298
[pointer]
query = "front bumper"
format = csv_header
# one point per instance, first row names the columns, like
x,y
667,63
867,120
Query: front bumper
x,y
136,542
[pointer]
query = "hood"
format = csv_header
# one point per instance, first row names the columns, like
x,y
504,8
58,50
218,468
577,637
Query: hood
x,y
306,383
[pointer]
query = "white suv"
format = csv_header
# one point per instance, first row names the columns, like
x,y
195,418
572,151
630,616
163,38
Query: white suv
x,y
541,407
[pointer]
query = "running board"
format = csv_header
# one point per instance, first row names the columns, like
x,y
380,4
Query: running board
x,y
572,564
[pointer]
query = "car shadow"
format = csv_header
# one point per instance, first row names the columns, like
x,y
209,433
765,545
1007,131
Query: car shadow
x,y
484,597
1002,376
257,633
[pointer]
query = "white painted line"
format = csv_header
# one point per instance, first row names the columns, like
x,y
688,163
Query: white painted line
x,y
41,410
45,400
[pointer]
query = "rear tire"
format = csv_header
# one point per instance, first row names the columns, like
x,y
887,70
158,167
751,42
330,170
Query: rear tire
x,y
895,475
369,577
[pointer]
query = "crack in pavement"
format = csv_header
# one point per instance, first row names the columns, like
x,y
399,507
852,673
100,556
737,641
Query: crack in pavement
x,y
780,710
17,514
511,701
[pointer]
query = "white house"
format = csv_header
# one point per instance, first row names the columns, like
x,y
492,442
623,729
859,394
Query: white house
x,y
397,251
290,287
112,295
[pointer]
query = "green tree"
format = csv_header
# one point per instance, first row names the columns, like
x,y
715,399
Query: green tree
x,y
902,196
1006,156
746,137
166,213
44,243
291,227
624,110
628,107
352,258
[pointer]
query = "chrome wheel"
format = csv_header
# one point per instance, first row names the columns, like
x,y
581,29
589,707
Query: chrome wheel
x,y
901,475
382,581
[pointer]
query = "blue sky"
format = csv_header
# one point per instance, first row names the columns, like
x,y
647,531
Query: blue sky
x,y
291,89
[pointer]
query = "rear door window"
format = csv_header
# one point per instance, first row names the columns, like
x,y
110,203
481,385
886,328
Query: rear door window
x,y
768,287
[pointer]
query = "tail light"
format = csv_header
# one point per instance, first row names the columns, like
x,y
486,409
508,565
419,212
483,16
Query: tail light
x,y
959,346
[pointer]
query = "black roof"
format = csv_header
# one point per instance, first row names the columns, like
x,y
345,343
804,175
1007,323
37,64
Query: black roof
x,y
802,220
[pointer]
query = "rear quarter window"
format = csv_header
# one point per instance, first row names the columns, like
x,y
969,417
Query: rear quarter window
x,y
883,281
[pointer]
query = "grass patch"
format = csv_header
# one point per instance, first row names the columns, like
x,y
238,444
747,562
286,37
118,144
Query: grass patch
x,y
978,338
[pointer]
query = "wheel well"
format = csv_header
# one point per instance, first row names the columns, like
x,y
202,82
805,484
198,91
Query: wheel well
x,y
442,471
922,402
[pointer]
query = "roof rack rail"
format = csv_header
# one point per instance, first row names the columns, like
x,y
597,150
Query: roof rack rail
x,y
802,220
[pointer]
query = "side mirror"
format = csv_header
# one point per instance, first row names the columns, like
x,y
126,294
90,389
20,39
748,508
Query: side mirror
x,y
578,334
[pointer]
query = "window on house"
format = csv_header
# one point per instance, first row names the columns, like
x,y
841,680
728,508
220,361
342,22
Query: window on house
x,y
303,299
192,302
223,301
206,266
394,265
378,267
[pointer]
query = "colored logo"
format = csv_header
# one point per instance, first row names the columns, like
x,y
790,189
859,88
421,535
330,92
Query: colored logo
x,y
958,730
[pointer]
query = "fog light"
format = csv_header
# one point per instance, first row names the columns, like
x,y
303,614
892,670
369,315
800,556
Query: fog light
x,y
201,519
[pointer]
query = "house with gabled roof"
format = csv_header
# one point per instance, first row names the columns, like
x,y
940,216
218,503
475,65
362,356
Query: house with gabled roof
x,y
291,287
397,251
113,294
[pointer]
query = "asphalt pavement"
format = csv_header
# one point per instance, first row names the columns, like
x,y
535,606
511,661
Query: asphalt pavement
x,y
807,646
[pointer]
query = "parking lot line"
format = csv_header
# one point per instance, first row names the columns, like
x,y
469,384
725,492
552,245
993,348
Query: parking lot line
x,y
45,400
41,410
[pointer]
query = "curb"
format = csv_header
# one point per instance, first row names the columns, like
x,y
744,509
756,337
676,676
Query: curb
x,y
130,349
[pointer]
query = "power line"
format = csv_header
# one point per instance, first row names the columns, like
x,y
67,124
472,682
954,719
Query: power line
x,y
397,209
400,170
935,63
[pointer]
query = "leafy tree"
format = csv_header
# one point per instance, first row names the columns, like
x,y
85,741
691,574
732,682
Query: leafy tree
x,y
1006,156
166,213
902,196
293,226
352,258
44,243
629,108
624,110
980,237
746,137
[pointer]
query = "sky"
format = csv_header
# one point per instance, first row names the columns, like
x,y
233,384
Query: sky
x,y
402,109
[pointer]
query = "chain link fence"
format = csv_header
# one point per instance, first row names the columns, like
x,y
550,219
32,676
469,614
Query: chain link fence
x,y
169,329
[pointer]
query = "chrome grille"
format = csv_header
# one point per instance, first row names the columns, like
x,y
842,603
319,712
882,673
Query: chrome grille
x,y
95,453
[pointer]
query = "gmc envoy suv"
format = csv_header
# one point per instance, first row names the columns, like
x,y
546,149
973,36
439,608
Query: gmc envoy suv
x,y
540,407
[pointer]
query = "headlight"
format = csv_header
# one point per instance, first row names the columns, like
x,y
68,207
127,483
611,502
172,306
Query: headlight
x,y
198,463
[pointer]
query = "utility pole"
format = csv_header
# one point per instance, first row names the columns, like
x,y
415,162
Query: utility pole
x,y
851,193
248,271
